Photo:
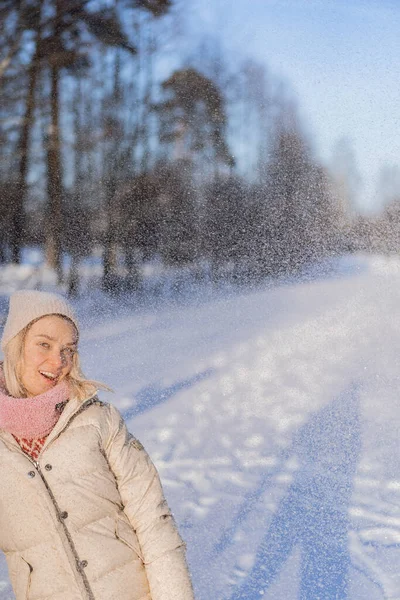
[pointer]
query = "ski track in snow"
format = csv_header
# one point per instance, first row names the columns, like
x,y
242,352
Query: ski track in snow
x,y
271,415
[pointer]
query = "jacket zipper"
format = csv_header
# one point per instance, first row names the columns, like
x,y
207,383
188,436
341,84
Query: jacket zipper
x,y
67,534
79,568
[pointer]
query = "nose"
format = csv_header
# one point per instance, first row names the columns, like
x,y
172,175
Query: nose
x,y
57,360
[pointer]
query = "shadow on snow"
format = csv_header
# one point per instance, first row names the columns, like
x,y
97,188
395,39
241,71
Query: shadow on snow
x,y
153,395
314,513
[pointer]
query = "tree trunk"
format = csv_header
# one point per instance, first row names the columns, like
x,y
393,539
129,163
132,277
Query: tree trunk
x,y
132,263
110,244
112,160
73,279
17,215
147,100
54,181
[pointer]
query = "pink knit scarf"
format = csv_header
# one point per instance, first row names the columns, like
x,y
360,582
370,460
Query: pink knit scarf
x,y
32,417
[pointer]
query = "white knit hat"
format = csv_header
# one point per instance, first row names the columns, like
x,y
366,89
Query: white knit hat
x,y
29,305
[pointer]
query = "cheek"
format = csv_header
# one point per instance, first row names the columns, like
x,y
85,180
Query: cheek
x,y
31,359
67,369
25,369
69,363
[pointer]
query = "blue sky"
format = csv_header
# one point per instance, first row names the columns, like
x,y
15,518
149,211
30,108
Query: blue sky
x,y
341,60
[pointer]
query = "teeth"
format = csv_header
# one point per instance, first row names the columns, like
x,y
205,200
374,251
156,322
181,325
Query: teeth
x,y
47,374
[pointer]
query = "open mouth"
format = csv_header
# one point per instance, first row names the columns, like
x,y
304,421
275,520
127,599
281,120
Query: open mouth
x,y
50,377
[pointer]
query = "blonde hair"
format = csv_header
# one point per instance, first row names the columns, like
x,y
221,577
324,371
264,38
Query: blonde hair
x,y
81,388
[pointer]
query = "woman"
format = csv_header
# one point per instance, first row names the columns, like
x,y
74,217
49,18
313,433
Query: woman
x,y
82,512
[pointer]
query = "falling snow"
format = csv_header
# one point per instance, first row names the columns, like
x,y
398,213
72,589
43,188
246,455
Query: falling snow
x,y
273,419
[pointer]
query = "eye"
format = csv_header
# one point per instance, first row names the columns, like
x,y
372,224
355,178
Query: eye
x,y
69,352
44,345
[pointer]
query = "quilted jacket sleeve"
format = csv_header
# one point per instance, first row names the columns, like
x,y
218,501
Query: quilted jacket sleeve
x,y
139,485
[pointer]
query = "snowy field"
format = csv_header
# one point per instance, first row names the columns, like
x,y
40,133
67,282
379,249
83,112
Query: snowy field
x,y
273,417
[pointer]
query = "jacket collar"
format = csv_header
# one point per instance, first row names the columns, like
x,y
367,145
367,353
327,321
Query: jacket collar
x,y
72,407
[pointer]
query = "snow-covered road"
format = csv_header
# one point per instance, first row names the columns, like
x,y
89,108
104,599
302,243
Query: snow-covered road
x,y
273,417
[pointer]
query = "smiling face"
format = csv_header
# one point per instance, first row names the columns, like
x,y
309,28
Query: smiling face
x,y
49,347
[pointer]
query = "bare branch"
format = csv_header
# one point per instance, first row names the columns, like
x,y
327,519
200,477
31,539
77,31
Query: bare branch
x,y
5,63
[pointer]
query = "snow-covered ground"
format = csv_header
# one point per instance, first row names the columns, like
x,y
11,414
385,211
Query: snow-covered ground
x,y
273,417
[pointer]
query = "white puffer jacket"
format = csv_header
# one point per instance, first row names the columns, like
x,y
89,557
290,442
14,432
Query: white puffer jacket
x,y
88,520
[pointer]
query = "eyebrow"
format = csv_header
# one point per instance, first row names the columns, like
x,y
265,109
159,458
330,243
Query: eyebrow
x,y
48,337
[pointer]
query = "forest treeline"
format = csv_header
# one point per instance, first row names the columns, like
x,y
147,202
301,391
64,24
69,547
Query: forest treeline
x,y
112,138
